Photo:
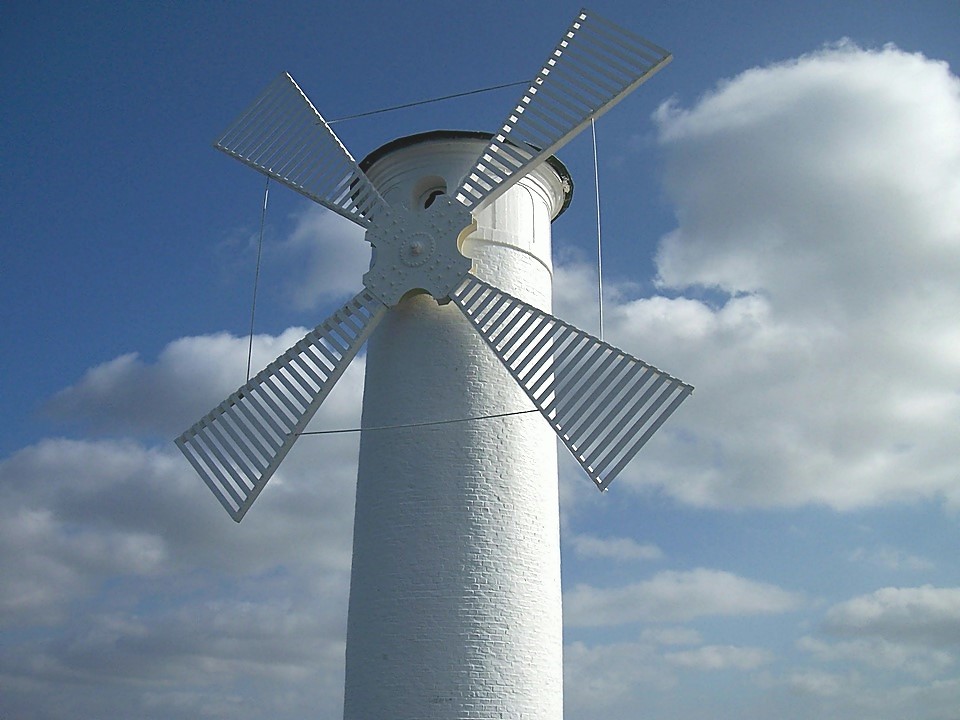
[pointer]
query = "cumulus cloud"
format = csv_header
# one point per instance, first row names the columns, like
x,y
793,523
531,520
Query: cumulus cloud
x,y
671,636
633,678
672,596
76,513
607,677
577,302
621,549
926,615
132,396
123,575
55,547
879,653
819,683
891,559
809,289
720,657
323,257
850,694
200,659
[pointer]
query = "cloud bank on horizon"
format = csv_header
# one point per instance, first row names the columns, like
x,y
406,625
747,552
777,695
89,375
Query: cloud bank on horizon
x,y
809,291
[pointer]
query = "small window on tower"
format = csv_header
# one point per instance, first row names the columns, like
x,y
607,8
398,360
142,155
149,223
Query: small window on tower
x,y
431,196
426,192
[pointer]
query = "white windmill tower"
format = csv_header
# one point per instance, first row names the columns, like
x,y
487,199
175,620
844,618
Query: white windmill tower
x,y
455,588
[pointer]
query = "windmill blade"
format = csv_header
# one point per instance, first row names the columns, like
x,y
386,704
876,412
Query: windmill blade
x,y
603,403
238,445
283,136
594,66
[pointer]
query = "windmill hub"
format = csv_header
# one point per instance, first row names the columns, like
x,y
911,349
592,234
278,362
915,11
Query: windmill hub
x,y
418,249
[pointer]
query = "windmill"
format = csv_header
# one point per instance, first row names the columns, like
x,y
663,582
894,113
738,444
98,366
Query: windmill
x,y
455,591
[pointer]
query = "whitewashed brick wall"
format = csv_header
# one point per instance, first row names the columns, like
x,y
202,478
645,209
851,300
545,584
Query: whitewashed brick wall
x,y
455,593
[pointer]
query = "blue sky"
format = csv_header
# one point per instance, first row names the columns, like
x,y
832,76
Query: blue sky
x,y
780,229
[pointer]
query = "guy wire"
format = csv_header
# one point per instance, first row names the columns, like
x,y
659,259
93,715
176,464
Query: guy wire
x,y
256,275
426,102
596,178
420,424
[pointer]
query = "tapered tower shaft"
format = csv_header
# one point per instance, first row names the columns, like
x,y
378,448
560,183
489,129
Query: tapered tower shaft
x,y
455,609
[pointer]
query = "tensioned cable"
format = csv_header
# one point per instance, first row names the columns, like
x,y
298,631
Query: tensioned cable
x,y
426,102
420,424
596,179
256,275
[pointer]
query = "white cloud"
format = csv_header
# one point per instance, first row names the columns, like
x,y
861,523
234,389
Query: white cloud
x,y
54,543
840,695
818,247
924,615
190,376
671,636
891,559
250,658
605,677
74,514
880,653
939,699
720,657
675,596
621,549
817,682
324,257
117,560
577,303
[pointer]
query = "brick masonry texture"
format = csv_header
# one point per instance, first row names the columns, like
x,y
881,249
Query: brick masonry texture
x,y
455,608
